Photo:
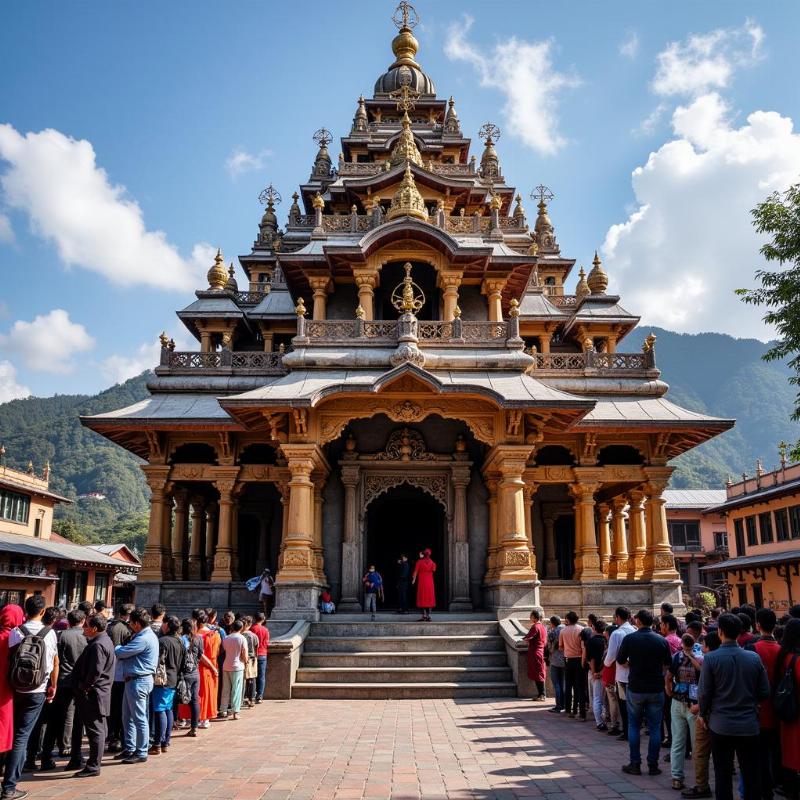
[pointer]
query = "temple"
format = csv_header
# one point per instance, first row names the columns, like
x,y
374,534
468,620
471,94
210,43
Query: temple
x,y
400,365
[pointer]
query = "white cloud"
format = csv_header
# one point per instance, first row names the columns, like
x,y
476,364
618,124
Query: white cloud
x,y
651,121
9,388
524,73
629,46
707,61
49,343
71,202
690,242
6,231
240,161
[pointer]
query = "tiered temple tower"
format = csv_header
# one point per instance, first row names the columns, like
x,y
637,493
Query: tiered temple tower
x,y
404,368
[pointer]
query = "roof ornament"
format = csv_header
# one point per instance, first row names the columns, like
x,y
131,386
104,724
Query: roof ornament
x,y
490,163
294,209
598,279
231,285
269,221
407,201
217,275
406,149
519,211
649,343
582,289
544,231
322,163
405,16
361,121
407,297
452,125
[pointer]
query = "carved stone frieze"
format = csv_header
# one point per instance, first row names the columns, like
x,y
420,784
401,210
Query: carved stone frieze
x,y
405,445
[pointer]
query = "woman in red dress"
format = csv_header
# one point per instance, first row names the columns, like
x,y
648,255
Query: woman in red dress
x,y
790,731
11,616
423,577
536,639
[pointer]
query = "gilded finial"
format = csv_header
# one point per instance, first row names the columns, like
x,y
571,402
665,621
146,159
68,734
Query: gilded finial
x,y
164,339
514,310
582,289
597,280
457,312
407,200
407,297
281,348
30,468
360,313
649,343
300,308
519,211
495,203
317,201
217,275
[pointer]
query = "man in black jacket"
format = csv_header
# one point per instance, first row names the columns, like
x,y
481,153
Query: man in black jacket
x,y
92,678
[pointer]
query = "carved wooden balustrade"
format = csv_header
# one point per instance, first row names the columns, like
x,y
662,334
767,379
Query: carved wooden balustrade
x,y
360,223
221,362
591,360
429,332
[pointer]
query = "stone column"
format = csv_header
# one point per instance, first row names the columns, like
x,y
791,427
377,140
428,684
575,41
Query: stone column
x,y
528,492
319,552
235,533
319,286
205,341
449,283
211,539
196,550
154,561
587,557
635,568
269,338
222,555
551,562
659,562
493,289
544,342
179,533
351,566
366,283
491,550
618,567
604,536
460,568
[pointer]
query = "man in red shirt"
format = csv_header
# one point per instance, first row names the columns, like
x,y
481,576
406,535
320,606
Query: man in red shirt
x,y
262,632
769,739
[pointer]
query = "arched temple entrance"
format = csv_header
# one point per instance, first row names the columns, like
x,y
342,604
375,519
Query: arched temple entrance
x,y
406,519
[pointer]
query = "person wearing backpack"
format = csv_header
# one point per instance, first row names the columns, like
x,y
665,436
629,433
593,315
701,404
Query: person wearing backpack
x,y
33,674
786,704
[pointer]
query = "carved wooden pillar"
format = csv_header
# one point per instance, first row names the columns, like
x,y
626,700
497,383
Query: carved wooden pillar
x,y
235,532
366,283
618,568
492,485
604,535
529,491
513,561
493,289
210,539
544,342
320,287
319,552
460,570
205,341
551,562
449,283
636,522
351,565
179,531
659,562
269,339
222,556
196,550
154,561
587,557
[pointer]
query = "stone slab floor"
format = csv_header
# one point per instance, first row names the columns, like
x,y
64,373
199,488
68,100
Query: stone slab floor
x,y
346,749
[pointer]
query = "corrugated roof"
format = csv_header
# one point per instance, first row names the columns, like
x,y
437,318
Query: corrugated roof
x,y
790,487
27,487
108,549
753,561
42,548
693,498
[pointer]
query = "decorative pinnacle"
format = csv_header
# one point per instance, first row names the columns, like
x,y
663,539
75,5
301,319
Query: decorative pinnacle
x,y
514,311
360,313
404,297
489,132
317,201
164,339
323,137
457,312
300,308
405,16
270,196
542,194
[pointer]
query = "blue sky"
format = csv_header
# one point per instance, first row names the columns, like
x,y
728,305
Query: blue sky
x,y
657,126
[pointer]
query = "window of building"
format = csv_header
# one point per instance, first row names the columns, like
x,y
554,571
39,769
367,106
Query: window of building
x,y
100,587
752,532
685,535
794,518
683,571
37,527
758,596
782,524
765,526
721,540
738,534
741,591
14,506
12,597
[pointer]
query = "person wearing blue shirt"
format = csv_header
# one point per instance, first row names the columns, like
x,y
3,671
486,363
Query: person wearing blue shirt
x,y
139,659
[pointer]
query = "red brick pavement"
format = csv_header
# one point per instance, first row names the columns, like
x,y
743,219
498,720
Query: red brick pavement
x,y
399,749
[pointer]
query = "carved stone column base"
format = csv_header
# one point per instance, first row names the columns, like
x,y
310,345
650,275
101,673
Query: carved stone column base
x,y
635,568
222,566
154,565
178,566
294,601
660,566
195,569
514,566
618,569
587,568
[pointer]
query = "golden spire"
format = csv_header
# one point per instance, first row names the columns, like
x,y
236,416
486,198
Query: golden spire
x,y
404,45
495,203
519,211
217,275
582,289
231,283
406,148
407,201
317,201
597,280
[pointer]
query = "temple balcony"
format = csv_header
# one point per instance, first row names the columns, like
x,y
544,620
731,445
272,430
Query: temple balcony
x,y
221,362
592,361
360,223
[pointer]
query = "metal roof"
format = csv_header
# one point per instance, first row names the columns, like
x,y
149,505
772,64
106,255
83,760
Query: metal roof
x,y
27,487
754,561
694,498
758,497
43,548
646,411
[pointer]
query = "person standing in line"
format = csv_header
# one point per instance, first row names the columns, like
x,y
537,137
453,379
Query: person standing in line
x,y
189,714
266,593
595,651
172,655
790,730
28,702
261,631
235,649
139,658
733,682
669,630
609,676
92,679
557,663
536,639
10,617
373,589
423,577
680,686
403,577
71,643
251,665
209,669
569,643
157,614
586,633
647,656
624,628
119,632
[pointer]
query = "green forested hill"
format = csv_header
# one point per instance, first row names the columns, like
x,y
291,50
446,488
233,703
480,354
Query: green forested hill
x,y
707,372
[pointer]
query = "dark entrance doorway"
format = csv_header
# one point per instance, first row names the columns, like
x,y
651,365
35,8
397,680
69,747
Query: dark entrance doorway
x,y
564,530
406,520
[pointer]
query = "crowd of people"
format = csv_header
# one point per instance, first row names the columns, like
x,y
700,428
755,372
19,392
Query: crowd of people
x,y
75,685
716,690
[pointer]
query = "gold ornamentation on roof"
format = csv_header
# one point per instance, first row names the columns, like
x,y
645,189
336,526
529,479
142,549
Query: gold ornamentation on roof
x,y
407,297
519,211
300,308
407,200
649,343
164,340
598,279
582,289
217,275
360,313
404,45
406,148
495,203
317,201
231,284
514,310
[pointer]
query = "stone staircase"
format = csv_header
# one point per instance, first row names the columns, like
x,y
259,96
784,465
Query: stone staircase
x,y
456,655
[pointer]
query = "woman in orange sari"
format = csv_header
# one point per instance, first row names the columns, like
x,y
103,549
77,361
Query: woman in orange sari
x,y
209,672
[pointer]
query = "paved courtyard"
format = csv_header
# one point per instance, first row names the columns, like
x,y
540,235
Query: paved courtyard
x,y
318,750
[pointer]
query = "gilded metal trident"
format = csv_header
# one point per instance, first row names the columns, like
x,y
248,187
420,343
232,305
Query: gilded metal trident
x,y
542,194
270,196
405,16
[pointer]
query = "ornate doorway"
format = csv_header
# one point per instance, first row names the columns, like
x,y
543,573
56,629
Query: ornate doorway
x,y
406,520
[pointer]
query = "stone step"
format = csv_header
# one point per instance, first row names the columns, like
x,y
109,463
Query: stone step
x,y
402,691
411,628
403,644
453,658
384,674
